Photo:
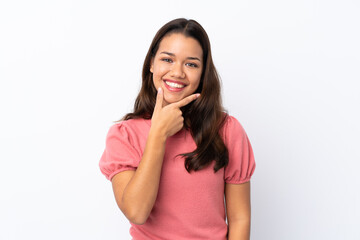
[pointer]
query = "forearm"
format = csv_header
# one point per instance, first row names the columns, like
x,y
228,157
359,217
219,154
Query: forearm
x,y
239,230
140,194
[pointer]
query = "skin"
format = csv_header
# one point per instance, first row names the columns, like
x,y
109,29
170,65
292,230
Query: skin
x,y
136,191
178,58
238,208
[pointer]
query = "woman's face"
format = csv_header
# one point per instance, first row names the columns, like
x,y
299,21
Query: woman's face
x,y
177,67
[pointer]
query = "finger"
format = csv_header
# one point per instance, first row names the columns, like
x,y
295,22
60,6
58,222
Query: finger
x,y
187,100
159,99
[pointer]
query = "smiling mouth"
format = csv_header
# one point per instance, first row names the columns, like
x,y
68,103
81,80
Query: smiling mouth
x,y
174,85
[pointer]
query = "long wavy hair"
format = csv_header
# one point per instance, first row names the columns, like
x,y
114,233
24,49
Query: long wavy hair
x,y
204,117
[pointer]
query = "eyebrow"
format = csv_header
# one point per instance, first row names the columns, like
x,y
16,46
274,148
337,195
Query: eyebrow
x,y
191,58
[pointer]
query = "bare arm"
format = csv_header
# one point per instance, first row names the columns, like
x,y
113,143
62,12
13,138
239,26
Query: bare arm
x,y
136,191
238,210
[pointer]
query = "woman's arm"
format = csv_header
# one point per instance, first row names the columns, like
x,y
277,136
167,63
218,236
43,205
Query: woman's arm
x,y
136,191
238,208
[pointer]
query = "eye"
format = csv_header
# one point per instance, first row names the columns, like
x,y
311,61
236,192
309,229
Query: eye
x,y
166,60
192,65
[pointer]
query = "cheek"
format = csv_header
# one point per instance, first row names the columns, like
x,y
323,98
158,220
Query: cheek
x,y
156,82
196,80
160,70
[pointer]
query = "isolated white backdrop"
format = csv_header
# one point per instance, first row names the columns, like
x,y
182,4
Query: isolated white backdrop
x,y
290,74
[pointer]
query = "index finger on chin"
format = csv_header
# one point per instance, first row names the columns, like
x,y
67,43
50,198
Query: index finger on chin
x,y
187,100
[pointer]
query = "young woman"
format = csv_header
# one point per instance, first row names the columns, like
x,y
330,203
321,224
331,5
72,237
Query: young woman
x,y
174,159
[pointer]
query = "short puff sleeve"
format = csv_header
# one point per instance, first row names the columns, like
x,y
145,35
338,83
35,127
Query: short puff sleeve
x,y
119,154
241,164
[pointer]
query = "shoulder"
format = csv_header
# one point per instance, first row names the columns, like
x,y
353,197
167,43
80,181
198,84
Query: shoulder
x,y
232,127
138,124
129,128
231,123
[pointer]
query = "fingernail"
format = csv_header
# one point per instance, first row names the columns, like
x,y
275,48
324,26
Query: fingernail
x,y
197,95
159,89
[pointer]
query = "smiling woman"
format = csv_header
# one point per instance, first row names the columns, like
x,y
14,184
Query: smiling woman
x,y
174,159
177,67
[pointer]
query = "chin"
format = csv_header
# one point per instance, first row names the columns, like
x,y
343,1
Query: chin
x,y
171,99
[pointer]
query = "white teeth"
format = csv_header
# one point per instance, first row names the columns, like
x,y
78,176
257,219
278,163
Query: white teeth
x,y
175,85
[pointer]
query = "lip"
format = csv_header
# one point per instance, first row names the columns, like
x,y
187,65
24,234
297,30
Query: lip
x,y
171,89
178,82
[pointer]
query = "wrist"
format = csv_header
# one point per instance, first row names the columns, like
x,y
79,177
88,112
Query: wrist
x,y
157,135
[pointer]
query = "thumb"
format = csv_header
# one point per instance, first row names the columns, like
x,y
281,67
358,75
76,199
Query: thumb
x,y
159,99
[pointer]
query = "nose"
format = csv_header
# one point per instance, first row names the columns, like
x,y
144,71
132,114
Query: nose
x,y
177,71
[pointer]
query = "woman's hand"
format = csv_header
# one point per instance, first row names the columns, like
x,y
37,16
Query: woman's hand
x,y
168,120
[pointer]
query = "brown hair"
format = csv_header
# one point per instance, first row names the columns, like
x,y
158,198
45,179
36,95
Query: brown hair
x,y
203,117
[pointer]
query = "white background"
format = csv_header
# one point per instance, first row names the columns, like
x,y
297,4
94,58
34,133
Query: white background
x,y
290,74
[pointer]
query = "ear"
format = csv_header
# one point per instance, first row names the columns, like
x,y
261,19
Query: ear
x,y
152,65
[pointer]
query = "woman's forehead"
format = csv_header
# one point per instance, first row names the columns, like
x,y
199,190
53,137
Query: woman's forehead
x,y
180,45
